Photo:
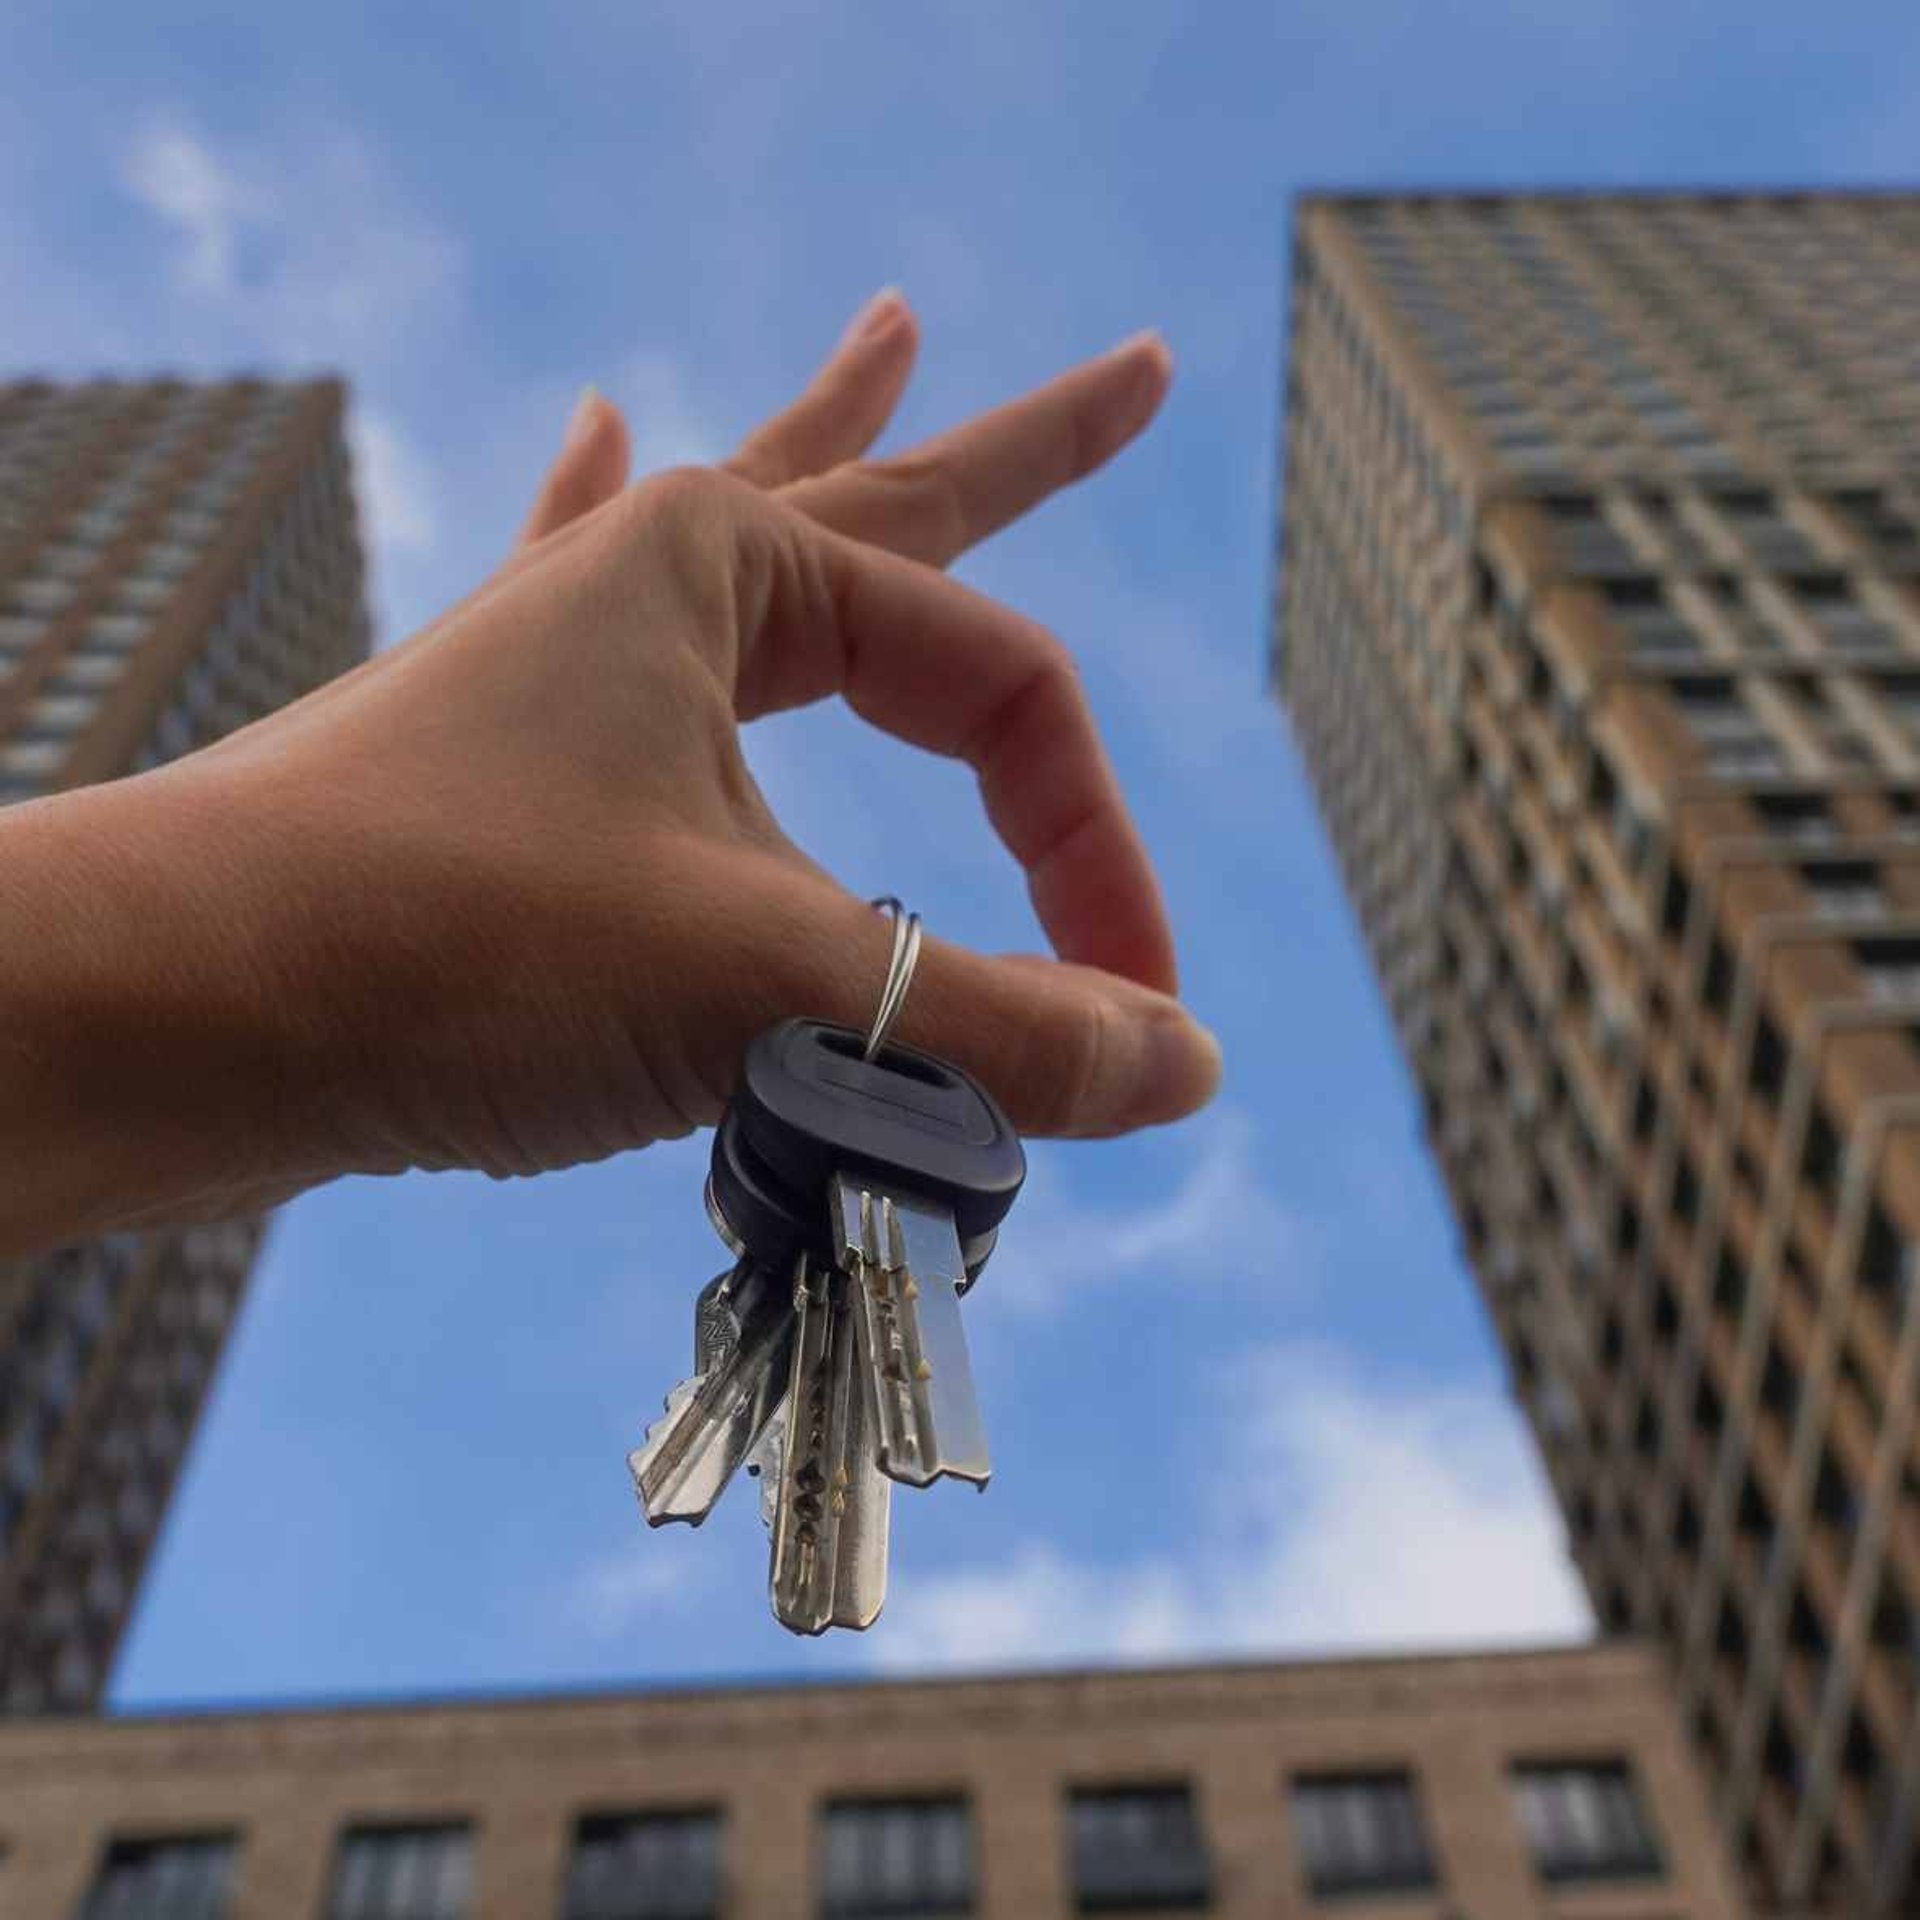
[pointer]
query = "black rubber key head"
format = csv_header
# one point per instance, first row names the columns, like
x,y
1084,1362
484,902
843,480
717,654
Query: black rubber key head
x,y
807,1107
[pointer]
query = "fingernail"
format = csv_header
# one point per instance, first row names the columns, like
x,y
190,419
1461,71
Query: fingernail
x,y
580,421
1146,337
877,318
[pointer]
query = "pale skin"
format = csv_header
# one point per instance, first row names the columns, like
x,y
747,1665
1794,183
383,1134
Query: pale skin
x,y
506,896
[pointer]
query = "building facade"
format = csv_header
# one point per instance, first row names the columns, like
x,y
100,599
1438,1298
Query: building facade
x,y
175,560
1598,622
1521,1786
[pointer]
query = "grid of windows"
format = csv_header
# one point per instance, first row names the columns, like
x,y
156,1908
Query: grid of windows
x,y
1136,1847
890,1859
646,1866
1361,1833
402,1873
177,1878
1583,1821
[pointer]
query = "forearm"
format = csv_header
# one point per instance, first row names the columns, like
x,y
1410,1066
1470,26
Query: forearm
x,y
147,1053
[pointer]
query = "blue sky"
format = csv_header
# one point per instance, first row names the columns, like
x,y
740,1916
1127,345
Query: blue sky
x,y
1240,1393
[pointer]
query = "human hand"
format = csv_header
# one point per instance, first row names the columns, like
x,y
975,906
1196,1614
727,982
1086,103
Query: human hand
x,y
507,897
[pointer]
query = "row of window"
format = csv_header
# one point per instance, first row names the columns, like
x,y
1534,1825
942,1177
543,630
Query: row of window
x,y
1722,525
1129,1847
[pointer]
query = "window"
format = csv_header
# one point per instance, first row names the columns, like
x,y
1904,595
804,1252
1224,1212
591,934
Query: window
x,y
1794,816
1882,523
895,1857
1587,543
1361,1833
1583,1821
1846,890
1886,1259
1137,1847
184,1877
1735,738
402,1873
1820,1164
1892,967
1766,532
1827,600
646,1866
1654,629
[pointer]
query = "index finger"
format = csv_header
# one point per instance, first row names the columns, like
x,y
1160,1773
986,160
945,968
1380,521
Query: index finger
x,y
945,668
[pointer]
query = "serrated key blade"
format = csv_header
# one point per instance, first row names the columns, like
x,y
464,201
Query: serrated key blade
x,y
764,1460
831,1505
904,1263
689,1454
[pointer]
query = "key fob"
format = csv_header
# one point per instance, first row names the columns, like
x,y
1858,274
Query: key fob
x,y
807,1107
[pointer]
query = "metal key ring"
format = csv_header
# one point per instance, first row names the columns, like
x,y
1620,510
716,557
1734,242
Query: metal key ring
x,y
906,956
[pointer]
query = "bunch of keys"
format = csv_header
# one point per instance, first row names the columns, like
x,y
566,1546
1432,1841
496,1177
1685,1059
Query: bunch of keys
x,y
861,1188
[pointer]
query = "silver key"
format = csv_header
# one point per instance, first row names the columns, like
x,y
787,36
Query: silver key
x,y
716,1320
904,1264
744,1327
831,1504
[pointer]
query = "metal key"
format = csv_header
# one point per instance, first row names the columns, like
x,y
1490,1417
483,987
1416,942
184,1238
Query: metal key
x,y
875,1189
832,1504
903,1260
743,1340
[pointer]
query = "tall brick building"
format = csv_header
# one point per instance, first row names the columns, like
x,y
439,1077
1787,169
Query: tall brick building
x,y
1599,627
175,560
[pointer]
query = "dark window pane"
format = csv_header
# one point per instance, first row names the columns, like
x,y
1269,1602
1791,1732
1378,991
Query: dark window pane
x,y
646,1866
1137,1847
1583,1821
895,1857
181,1878
1361,1833
402,1873
1794,816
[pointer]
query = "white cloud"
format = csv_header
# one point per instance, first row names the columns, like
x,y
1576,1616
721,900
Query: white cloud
x,y
625,1589
671,427
173,173
395,483
308,251
1347,1517
1220,1220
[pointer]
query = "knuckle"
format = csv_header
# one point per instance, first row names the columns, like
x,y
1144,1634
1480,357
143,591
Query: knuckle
x,y
1054,686
1066,1067
1089,1052
678,496
933,495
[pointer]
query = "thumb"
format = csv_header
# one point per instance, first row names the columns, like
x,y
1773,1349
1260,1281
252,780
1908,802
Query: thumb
x,y
1067,1050
590,468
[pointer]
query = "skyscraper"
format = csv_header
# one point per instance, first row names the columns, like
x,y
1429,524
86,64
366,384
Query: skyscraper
x,y
1599,627
174,561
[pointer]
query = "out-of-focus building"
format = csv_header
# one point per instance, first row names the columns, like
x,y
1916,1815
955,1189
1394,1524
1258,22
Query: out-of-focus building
x,y
175,560
1599,627
1513,1786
